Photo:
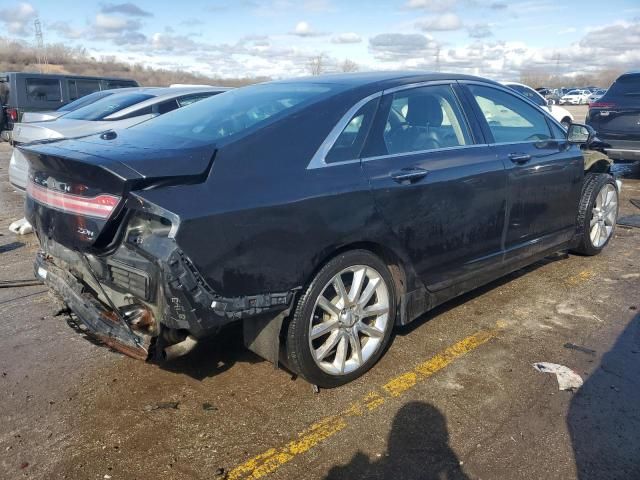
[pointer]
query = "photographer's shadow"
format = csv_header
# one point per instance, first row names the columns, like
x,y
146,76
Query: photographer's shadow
x,y
418,448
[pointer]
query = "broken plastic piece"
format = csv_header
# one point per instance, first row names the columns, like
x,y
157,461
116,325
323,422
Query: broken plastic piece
x,y
567,378
21,227
573,346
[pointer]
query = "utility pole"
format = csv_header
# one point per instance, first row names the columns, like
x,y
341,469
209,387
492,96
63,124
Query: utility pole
x,y
41,53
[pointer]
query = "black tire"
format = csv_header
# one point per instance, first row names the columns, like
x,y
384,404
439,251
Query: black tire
x,y
298,350
593,184
566,121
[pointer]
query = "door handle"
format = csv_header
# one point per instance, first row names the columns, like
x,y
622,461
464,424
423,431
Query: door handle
x,y
519,158
410,174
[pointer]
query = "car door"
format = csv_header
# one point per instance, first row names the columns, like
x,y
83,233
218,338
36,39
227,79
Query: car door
x,y
544,171
439,188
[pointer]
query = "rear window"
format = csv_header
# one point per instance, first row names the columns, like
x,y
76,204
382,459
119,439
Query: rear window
x,y
120,84
108,106
84,101
626,85
43,90
237,111
80,88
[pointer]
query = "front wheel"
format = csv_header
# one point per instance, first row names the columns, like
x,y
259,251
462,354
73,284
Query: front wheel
x,y
343,322
597,213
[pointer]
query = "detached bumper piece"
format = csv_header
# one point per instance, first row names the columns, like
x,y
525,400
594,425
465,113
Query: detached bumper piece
x,y
101,322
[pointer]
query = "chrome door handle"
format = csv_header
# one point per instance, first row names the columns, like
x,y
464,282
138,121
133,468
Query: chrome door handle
x,y
411,174
519,157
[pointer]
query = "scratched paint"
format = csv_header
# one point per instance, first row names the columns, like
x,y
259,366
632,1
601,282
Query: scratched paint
x,y
274,458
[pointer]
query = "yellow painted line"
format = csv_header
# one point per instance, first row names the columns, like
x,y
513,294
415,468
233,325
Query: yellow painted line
x,y
272,459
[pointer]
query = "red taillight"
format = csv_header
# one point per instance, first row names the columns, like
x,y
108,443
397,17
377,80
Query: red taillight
x,y
602,105
12,114
100,206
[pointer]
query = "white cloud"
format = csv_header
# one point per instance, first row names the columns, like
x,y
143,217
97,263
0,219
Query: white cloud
x,y
348,37
17,20
304,29
444,22
432,5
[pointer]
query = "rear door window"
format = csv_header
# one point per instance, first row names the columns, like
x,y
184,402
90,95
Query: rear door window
x,y
43,90
510,118
422,119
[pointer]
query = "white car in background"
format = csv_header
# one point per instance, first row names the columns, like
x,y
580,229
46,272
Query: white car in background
x,y
576,97
560,114
597,95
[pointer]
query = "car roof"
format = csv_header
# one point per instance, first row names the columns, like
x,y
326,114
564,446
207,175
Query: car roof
x,y
384,79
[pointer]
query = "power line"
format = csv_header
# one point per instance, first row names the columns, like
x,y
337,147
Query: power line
x,y
41,53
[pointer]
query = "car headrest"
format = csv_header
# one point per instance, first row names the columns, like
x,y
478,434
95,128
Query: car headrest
x,y
424,110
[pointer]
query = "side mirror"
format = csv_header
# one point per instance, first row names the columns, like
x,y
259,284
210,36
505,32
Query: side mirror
x,y
580,134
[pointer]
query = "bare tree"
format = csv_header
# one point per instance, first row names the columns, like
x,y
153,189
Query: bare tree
x,y
316,65
349,66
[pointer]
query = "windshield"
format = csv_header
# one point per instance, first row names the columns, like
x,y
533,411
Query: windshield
x,y
84,101
107,106
236,111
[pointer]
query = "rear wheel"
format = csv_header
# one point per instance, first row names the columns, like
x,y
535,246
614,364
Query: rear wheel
x,y
343,322
598,213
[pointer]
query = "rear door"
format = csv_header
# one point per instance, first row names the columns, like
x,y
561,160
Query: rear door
x,y
544,171
439,188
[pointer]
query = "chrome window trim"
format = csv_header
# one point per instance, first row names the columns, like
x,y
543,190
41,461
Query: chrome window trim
x,y
318,159
422,152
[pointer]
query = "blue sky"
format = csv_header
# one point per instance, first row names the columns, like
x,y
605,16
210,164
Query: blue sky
x,y
279,38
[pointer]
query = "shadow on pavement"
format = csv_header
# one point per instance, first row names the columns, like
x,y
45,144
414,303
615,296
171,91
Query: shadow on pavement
x,y
418,448
604,415
214,355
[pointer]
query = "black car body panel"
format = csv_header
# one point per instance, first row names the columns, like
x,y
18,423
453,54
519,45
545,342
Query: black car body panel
x,y
616,117
210,232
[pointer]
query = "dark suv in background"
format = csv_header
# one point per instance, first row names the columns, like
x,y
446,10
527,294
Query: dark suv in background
x,y
35,92
616,117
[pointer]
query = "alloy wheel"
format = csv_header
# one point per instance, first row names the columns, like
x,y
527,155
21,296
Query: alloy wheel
x,y
349,320
604,214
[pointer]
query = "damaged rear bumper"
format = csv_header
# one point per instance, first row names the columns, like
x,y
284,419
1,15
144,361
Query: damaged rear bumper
x,y
100,322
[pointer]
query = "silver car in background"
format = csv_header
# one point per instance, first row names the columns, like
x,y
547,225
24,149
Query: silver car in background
x,y
116,111
50,115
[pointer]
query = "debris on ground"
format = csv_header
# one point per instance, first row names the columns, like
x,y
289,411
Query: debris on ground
x,y
635,202
208,406
21,227
629,221
567,378
161,406
573,346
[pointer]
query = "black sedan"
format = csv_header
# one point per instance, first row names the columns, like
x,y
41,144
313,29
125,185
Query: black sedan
x,y
318,212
